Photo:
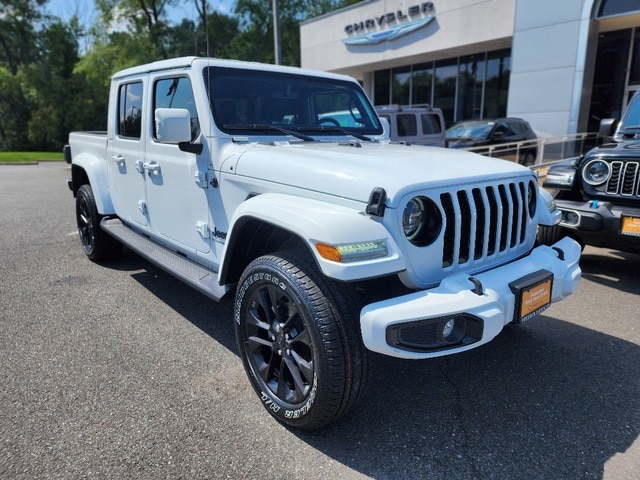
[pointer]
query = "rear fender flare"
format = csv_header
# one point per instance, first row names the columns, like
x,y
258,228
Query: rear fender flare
x,y
95,171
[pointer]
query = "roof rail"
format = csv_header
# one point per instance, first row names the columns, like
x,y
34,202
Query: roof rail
x,y
401,107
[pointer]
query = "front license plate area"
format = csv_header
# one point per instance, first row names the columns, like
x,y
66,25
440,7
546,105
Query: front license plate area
x,y
533,294
630,226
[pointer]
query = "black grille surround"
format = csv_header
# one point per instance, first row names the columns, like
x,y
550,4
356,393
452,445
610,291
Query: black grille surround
x,y
624,180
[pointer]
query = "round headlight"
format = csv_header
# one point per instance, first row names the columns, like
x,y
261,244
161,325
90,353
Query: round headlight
x,y
421,221
596,172
532,198
413,218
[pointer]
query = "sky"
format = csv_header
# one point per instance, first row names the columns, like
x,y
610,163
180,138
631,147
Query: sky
x,y
85,9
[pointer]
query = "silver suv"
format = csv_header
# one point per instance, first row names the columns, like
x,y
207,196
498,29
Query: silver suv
x,y
419,125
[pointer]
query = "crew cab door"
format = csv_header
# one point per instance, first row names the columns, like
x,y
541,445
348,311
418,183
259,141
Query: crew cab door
x,y
176,180
125,153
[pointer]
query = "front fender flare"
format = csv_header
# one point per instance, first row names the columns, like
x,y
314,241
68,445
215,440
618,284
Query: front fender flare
x,y
317,221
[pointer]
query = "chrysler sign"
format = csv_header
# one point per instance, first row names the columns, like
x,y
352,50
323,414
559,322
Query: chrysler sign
x,y
389,25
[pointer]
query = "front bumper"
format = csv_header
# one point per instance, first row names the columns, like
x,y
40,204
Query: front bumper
x,y
600,223
488,308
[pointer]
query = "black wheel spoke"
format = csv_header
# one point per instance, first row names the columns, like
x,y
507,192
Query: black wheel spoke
x,y
303,366
256,320
265,301
300,387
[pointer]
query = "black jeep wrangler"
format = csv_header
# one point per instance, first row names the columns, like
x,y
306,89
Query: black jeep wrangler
x,y
599,193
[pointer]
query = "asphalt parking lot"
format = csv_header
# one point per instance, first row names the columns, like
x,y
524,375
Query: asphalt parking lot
x,y
120,371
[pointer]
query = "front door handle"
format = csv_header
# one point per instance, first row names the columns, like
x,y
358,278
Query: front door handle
x,y
152,167
119,159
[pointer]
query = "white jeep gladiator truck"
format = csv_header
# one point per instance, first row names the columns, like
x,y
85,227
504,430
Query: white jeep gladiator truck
x,y
336,242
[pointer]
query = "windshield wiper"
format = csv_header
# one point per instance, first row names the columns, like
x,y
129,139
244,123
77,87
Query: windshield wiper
x,y
322,128
266,126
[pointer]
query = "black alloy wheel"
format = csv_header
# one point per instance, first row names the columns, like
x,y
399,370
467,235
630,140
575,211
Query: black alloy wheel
x,y
298,342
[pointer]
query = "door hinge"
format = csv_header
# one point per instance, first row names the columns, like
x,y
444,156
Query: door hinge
x,y
203,229
204,179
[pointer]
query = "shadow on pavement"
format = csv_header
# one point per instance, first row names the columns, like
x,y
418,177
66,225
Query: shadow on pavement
x,y
548,399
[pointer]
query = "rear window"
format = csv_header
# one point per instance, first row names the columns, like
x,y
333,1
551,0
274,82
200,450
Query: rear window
x,y
430,123
407,125
130,110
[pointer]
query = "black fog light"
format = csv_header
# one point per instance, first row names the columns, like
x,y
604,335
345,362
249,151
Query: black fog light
x,y
452,331
570,218
435,333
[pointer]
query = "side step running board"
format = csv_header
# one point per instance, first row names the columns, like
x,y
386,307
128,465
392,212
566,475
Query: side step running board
x,y
203,280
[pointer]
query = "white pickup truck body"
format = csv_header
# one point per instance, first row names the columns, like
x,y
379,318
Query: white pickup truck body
x,y
233,177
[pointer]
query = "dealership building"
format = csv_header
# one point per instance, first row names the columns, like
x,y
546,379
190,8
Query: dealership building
x,y
560,64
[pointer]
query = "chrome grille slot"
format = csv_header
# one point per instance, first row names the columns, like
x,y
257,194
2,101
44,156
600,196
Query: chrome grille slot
x,y
614,180
629,178
483,222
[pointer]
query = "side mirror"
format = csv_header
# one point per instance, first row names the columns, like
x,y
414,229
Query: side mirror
x,y
499,135
173,125
607,127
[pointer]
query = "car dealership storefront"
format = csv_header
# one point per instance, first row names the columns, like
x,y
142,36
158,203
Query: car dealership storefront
x,y
560,65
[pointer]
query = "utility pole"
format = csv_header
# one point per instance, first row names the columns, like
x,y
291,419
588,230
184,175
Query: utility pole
x,y
276,31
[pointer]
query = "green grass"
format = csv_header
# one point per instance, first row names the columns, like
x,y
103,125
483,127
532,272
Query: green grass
x,y
26,157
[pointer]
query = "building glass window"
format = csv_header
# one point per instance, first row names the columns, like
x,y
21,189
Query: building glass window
x,y
444,88
470,84
382,87
422,84
607,94
401,87
470,87
496,89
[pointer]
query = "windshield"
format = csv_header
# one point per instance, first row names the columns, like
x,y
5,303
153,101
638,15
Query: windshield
x,y
474,131
631,117
274,103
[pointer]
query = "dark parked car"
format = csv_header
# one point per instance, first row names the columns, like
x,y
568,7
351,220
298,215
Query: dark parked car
x,y
599,193
480,133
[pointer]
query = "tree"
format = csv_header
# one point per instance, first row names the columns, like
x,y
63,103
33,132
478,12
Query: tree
x,y
18,19
146,18
52,87
189,38
255,40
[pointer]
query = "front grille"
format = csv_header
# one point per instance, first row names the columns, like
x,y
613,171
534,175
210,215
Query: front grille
x,y
482,222
624,180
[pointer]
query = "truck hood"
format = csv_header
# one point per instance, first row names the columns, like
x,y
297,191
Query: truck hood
x,y
351,170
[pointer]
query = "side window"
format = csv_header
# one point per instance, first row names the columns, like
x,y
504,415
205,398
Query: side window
x,y
503,129
130,110
407,125
430,123
517,128
176,92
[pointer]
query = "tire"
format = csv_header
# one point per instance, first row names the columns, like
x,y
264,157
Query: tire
x,y
528,158
97,244
299,340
